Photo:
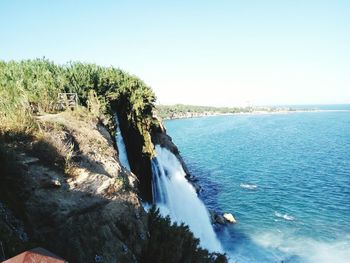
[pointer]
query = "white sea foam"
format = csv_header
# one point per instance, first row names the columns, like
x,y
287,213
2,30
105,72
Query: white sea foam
x,y
303,249
285,216
178,199
248,186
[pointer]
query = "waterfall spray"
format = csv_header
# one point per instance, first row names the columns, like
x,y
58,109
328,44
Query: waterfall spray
x,y
123,158
176,197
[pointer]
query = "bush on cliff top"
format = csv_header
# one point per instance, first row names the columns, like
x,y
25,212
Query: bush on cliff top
x,y
33,85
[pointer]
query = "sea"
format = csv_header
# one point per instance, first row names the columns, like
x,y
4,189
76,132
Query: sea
x,y
284,176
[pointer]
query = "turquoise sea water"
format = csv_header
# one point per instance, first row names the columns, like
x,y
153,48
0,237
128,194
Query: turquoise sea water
x,y
285,177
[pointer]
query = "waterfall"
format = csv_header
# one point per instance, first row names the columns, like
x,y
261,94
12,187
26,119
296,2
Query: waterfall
x,y
123,158
176,197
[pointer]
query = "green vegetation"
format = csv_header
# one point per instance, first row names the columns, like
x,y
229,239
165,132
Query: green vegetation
x,y
180,110
33,86
174,243
185,111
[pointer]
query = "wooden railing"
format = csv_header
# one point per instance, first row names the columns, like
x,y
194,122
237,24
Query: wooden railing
x,y
67,100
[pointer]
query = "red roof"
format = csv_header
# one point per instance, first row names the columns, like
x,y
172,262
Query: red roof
x,y
36,255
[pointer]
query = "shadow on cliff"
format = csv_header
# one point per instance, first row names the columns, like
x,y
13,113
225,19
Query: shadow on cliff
x,y
61,156
83,226
77,225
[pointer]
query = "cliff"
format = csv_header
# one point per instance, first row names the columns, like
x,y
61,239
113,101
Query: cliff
x,y
72,195
61,183
140,149
64,189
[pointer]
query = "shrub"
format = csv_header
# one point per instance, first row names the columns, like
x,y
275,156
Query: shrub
x,y
174,243
33,85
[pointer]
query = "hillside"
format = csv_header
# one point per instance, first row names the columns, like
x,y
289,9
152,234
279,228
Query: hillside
x,y
62,185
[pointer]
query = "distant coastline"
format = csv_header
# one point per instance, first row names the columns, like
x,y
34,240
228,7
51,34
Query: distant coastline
x,y
180,111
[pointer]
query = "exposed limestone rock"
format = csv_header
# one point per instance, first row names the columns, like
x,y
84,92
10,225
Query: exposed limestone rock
x,y
50,183
85,210
30,160
229,218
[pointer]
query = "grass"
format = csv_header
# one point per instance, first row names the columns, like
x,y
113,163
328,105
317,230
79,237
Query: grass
x,y
32,86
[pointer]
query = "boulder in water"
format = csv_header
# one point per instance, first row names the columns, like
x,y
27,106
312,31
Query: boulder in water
x,y
217,218
229,218
220,219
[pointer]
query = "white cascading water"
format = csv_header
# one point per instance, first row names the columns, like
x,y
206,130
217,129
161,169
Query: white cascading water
x,y
176,197
123,157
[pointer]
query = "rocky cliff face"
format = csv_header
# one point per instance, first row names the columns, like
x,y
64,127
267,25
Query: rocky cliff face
x,y
139,148
144,136
87,210
160,136
65,190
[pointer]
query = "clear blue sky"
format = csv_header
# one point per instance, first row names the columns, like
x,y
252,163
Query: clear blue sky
x,y
197,52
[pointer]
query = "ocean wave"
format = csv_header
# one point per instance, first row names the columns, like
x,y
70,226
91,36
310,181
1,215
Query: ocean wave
x,y
248,186
304,249
285,216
